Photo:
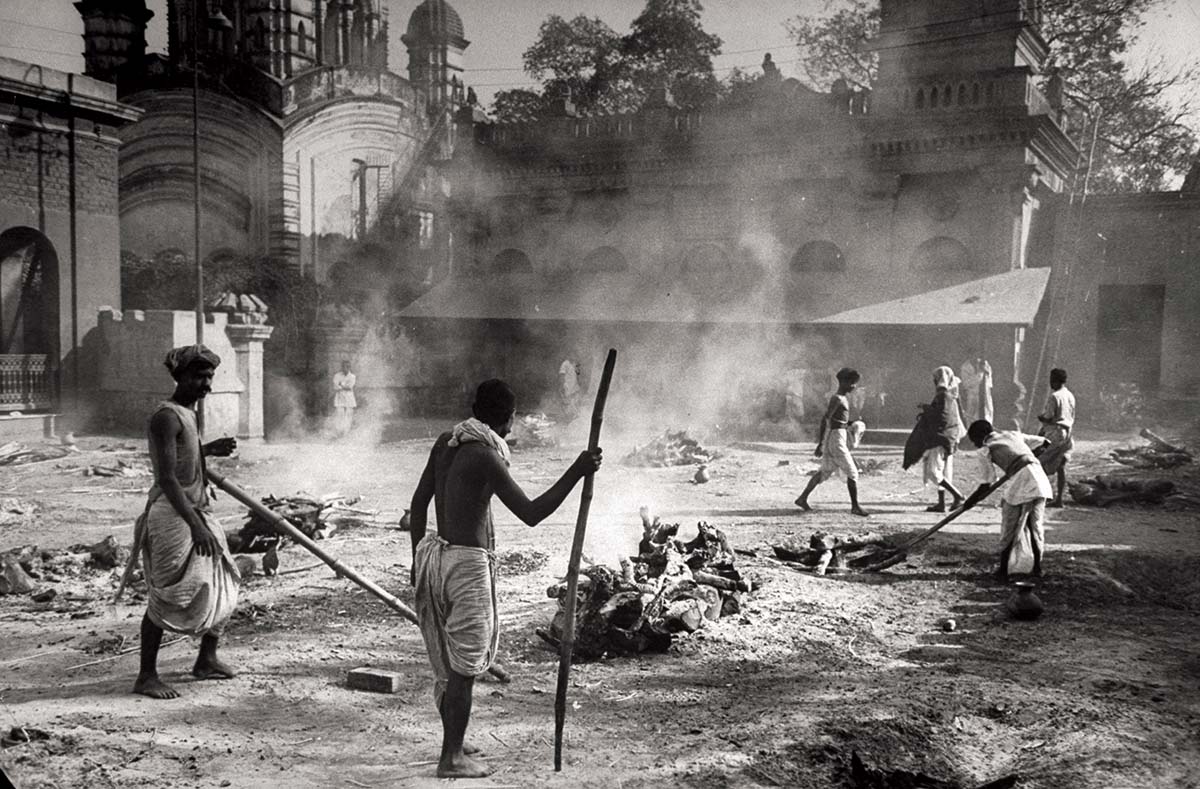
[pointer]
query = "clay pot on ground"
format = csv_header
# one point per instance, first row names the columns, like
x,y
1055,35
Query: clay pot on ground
x,y
1024,604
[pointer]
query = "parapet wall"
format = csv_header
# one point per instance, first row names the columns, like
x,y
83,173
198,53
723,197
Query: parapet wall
x,y
132,376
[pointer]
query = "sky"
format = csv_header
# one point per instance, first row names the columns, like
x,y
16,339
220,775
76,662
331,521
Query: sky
x,y
48,32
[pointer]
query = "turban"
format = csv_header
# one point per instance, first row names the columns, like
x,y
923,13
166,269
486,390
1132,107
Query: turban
x,y
180,359
944,377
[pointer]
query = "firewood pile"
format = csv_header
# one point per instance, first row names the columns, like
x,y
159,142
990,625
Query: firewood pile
x,y
1158,454
672,448
318,518
670,587
829,553
1106,489
533,430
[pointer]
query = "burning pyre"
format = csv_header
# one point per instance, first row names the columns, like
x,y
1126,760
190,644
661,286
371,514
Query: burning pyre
x,y
670,587
672,448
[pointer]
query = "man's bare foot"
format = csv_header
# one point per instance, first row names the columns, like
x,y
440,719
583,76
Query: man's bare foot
x,y
154,687
936,508
802,503
860,512
462,767
212,668
471,750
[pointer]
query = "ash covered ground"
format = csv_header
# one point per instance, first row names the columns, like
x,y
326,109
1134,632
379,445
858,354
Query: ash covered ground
x,y
1101,691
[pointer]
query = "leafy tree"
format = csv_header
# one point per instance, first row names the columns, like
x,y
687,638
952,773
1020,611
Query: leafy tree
x,y
831,46
667,46
1144,134
603,71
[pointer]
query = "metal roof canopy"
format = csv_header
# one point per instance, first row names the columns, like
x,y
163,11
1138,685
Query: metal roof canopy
x,y
1008,299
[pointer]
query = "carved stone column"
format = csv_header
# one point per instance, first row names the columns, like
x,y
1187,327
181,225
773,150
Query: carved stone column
x,y
247,340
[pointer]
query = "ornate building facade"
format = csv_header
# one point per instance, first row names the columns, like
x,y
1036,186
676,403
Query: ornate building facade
x,y
764,226
304,132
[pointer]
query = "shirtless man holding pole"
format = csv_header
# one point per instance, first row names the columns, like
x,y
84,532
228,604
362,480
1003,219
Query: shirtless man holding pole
x,y
454,569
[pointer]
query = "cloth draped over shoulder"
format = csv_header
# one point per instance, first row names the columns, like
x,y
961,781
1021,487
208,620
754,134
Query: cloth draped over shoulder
x,y
474,430
939,425
188,593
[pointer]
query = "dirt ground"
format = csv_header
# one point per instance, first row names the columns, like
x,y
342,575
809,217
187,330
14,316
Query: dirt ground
x,y
1102,691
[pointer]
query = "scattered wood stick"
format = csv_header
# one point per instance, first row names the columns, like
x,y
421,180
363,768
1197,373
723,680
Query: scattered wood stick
x,y
357,783
303,569
123,652
496,737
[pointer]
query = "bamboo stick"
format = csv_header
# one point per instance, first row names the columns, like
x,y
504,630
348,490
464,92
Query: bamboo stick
x,y
282,525
567,645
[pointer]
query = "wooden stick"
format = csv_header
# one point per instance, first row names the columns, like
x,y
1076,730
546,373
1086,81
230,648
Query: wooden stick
x,y
567,645
901,553
281,525
126,651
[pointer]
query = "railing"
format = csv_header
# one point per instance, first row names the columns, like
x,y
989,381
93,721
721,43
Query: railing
x,y
26,382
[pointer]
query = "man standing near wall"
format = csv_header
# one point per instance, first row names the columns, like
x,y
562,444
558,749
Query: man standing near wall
x,y
1058,424
343,399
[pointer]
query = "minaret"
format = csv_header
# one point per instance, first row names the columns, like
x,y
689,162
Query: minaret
x,y
436,43
114,36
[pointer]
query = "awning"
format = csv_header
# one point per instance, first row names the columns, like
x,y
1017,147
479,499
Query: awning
x,y
1008,299
607,297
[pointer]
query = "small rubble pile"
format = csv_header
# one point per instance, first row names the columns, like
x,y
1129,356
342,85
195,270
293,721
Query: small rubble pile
x,y
533,430
16,454
672,448
670,587
1158,454
21,567
15,511
123,469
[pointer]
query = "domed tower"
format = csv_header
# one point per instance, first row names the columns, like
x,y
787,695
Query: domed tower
x,y
114,36
436,42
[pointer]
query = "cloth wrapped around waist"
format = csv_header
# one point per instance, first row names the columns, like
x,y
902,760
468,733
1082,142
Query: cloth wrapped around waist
x,y
188,593
456,605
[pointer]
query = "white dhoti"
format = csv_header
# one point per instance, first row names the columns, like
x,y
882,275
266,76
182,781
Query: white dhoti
x,y
938,466
456,605
188,593
836,457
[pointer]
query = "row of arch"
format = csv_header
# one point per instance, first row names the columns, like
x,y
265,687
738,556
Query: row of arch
x,y
940,253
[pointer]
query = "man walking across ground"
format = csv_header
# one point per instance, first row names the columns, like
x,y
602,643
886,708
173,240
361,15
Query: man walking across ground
x,y
1023,499
191,578
833,444
1058,424
454,568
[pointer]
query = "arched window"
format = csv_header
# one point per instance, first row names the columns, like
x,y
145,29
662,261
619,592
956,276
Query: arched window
x,y
301,40
511,261
818,256
942,253
975,93
947,96
920,98
605,259
962,94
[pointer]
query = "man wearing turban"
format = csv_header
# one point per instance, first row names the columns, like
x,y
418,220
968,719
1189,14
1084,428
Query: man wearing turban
x,y
191,578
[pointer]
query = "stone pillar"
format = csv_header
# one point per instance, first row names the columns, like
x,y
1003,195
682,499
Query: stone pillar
x,y
247,340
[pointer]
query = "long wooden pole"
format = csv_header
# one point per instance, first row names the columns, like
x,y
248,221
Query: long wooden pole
x,y
567,646
901,553
281,524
